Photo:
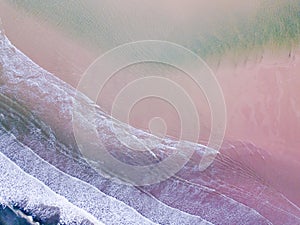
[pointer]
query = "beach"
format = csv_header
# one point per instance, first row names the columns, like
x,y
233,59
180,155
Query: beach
x,y
260,89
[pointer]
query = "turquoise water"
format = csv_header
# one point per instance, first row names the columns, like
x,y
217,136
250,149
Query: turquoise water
x,y
275,24
280,34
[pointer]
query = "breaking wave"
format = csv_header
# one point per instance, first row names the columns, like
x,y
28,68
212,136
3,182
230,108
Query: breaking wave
x,y
44,175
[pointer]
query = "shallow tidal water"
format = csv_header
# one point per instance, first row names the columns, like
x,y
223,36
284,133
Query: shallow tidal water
x,y
254,57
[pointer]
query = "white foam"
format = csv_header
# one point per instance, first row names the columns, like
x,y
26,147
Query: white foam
x,y
85,196
17,186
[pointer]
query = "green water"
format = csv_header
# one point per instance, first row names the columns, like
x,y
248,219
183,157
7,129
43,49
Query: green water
x,y
276,24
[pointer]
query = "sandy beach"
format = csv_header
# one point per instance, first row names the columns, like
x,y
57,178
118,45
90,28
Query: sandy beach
x,y
261,93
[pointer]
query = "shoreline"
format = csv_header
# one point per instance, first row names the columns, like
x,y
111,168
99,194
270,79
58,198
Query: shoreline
x,y
261,94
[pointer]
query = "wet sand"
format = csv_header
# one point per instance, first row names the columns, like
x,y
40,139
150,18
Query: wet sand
x,y
261,95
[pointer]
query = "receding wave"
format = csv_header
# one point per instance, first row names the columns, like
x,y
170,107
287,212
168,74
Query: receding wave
x,y
42,166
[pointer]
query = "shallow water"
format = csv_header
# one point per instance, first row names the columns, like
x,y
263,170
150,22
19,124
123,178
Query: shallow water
x,y
253,179
52,161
